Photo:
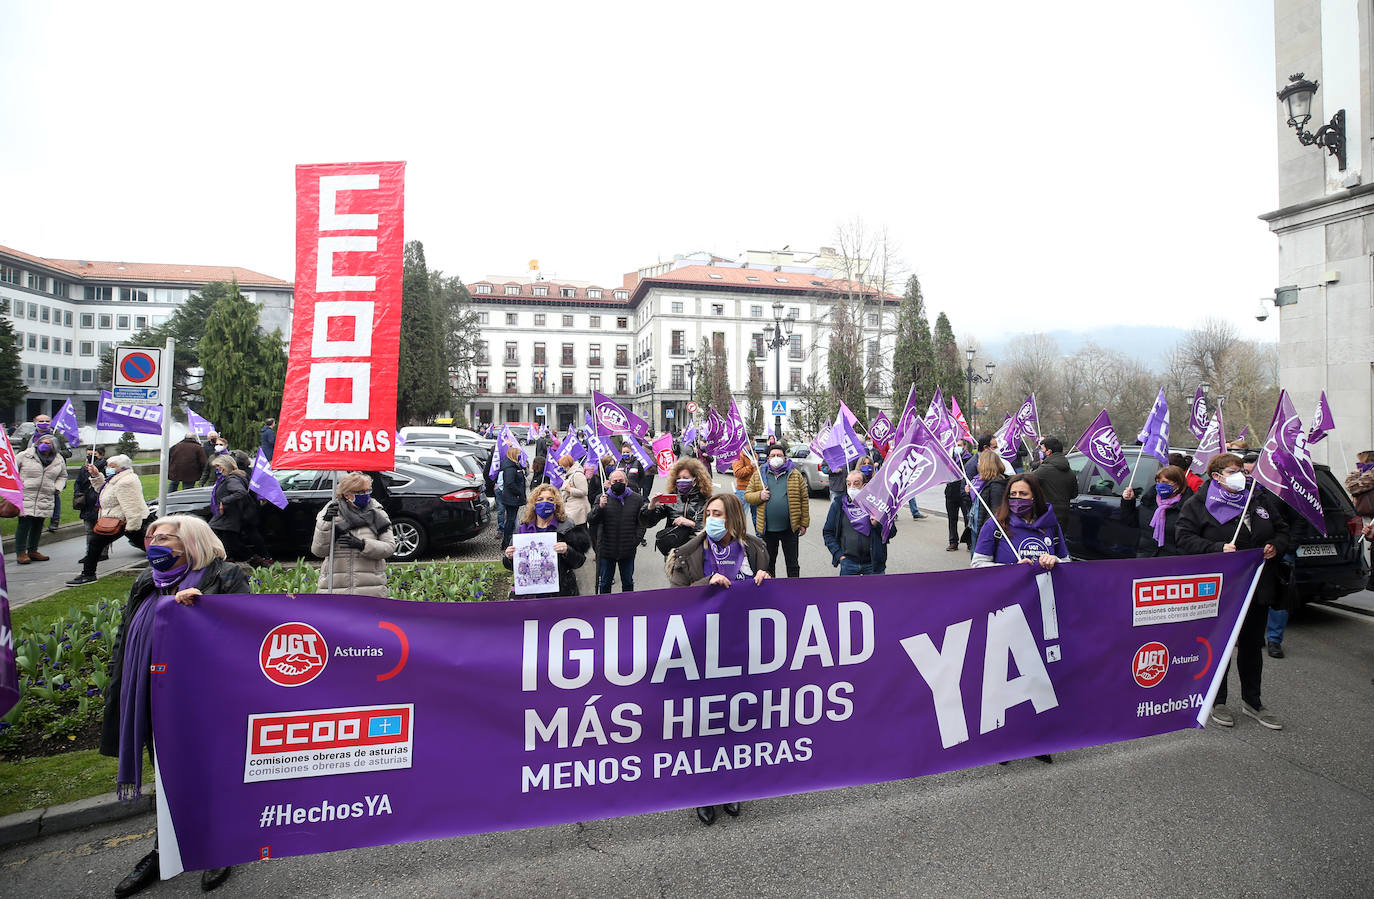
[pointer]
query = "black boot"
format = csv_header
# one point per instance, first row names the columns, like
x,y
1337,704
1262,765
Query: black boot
x,y
732,809
211,878
1046,758
706,814
144,875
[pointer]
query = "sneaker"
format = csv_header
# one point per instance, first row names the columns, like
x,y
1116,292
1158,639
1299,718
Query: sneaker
x,y
1222,715
1265,717
81,579
1275,649
918,516
52,529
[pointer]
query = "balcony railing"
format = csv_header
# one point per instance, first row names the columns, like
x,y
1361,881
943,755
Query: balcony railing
x,y
594,362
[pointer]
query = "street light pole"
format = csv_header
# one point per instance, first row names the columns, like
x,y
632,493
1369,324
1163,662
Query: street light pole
x,y
775,339
972,378
691,376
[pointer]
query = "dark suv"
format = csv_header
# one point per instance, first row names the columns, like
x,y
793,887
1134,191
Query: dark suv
x,y
1324,567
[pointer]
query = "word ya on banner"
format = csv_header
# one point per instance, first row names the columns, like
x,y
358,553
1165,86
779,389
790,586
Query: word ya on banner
x,y
339,405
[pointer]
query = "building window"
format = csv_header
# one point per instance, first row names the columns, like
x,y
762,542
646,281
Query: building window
x,y
679,379
59,288
106,321
483,358
751,277
679,343
568,354
717,308
19,339
794,347
17,309
43,373
539,319
538,354
620,384
758,345
482,385
512,353
794,384
33,341
872,318
756,312
512,318
677,307
593,293
133,295
537,381
622,322
88,319
104,346
32,372
794,312
86,348
622,355
512,290
872,353
66,347
174,295
594,355
66,319
87,376
103,294
483,318
622,294
43,343
122,322
511,386
140,322
567,293
567,321
44,314
594,382
540,290
594,321
483,288
33,312
35,281
9,274
567,383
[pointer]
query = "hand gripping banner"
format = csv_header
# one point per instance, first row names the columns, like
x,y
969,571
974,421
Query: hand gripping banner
x,y
339,407
287,725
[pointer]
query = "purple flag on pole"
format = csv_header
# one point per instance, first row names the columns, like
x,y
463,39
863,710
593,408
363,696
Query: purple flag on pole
x,y
1197,416
9,666
690,435
504,441
844,445
199,426
264,483
1027,419
601,447
1154,436
1006,440
1100,444
909,413
941,423
640,452
881,430
613,419
849,416
119,417
1321,421
734,441
917,462
64,423
570,447
1212,444
1285,468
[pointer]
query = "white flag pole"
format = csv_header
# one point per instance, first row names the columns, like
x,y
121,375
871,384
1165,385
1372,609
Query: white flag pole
x,y
1241,522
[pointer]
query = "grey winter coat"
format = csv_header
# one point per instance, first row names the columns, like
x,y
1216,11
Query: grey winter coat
x,y
40,481
354,570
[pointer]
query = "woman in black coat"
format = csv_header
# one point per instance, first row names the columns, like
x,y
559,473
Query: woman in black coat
x,y
232,507
1208,524
1158,535
544,513
689,480
512,494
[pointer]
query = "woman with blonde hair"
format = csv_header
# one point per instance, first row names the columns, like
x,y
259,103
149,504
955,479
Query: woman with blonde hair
x,y
233,508
692,486
544,513
358,529
186,561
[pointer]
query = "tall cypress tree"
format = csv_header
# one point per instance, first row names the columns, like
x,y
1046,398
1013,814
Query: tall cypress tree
x,y
949,370
245,370
705,392
12,389
422,387
913,359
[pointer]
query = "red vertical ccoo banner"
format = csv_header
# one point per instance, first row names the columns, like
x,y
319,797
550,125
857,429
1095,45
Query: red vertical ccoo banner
x,y
338,410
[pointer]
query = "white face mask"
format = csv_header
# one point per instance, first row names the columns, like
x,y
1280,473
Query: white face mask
x,y
1236,482
854,492
775,461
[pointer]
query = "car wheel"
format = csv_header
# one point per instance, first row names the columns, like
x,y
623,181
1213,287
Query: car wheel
x,y
410,539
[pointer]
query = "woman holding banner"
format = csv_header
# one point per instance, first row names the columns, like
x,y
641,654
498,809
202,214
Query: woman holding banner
x,y
353,535
186,561
1022,530
1224,516
544,513
1158,514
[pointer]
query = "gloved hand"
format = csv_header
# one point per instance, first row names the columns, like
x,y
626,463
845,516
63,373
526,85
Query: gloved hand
x,y
331,511
348,541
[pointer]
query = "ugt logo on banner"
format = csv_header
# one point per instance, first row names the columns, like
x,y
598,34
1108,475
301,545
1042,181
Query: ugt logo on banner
x,y
339,406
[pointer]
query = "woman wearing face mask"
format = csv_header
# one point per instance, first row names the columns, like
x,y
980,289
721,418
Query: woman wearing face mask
x,y
214,449
1158,513
864,466
186,561
692,486
360,532
1212,522
42,474
855,539
544,514
1027,521
723,554
230,500
574,490
1360,484
512,494
121,512
988,486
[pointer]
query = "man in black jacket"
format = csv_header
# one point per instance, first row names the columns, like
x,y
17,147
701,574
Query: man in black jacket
x,y
1057,480
616,520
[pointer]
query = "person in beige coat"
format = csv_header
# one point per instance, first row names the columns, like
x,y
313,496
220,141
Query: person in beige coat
x,y
42,474
121,499
575,503
360,531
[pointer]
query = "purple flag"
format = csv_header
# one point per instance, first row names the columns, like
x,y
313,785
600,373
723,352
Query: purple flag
x,y
601,447
917,462
504,441
910,412
1285,468
9,666
1100,444
199,426
1212,444
1154,436
1197,416
1321,421
119,417
613,419
64,423
843,446
941,423
1027,419
881,430
733,442
1006,440
690,435
264,483
640,452
847,414
485,700
570,447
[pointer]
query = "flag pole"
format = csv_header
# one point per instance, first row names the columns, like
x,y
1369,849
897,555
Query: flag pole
x,y
1240,523
991,516
1130,480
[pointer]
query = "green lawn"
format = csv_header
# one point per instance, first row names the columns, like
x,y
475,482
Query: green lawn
x,y
150,488
54,779
110,588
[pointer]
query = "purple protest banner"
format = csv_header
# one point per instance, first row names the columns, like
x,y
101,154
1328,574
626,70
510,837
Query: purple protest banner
x,y
570,446
881,429
119,417
504,441
639,452
1154,435
917,462
288,725
9,665
690,435
613,419
1197,414
264,483
1007,441
1101,445
64,423
1322,422
1285,468
202,427
733,442
843,445
1212,444
601,448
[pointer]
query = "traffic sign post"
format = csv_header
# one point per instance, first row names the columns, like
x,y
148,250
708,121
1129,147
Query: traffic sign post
x,y
138,375
669,413
166,399
779,407
692,407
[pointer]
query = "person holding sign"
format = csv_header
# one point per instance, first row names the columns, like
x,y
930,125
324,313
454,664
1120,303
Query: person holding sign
x,y
353,535
544,513
1222,517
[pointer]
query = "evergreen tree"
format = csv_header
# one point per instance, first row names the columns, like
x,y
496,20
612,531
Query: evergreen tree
x,y
127,445
949,369
705,375
12,389
461,339
720,380
422,384
754,415
913,359
245,370
816,409
846,359
187,325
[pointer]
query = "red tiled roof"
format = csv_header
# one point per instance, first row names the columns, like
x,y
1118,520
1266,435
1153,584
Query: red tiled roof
x,y
152,271
753,279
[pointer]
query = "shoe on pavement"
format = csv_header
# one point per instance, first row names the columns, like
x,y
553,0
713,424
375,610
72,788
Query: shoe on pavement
x,y
144,875
1222,715
918,516
952,548
1265,717
81,579
732,809
22,558
211,878
37,557
706,814
1275,649
52,529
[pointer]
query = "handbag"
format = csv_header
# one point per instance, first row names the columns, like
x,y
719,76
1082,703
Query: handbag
x,y
108,526
1364,504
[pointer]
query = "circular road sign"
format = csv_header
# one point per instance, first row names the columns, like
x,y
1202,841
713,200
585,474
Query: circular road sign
x,y
138,368
692,407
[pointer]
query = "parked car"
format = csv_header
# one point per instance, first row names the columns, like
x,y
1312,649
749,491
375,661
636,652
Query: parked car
x,y
809,464
429,508
460,462
1323,567
445,435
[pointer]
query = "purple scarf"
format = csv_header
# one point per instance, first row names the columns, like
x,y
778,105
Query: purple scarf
x,y
214,494
135,706
781,473
532,527
1157,519
727,560
1222,504
858,517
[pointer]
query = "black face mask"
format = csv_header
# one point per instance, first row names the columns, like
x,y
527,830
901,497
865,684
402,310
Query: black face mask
x,y
618,488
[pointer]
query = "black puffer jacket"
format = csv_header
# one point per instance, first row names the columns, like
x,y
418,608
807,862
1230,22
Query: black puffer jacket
x,y
512,484
1145,509
619,529
1198,532
1058,483
575,535
674,535
220,577
239,506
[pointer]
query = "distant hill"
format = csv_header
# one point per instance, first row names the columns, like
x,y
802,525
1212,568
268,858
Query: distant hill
x,y
1147,343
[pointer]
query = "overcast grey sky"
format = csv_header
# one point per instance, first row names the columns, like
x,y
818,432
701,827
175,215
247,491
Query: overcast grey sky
x,y
1091,162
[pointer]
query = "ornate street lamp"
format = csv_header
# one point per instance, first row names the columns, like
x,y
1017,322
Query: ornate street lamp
x,y
777,336
1297,99
972,377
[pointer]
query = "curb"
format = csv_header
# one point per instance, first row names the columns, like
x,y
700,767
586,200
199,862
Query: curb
x,y
41,822
64,532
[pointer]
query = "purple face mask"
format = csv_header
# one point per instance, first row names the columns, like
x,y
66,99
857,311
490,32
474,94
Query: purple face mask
x,y
1021,505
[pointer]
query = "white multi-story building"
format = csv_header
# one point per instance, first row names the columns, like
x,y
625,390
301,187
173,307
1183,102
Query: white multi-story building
x,y
68,312
551,343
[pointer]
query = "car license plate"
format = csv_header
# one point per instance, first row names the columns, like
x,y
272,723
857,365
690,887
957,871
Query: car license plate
x,y
1317,549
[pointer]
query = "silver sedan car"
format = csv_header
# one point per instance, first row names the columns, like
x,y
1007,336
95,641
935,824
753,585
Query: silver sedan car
x,y
809,464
